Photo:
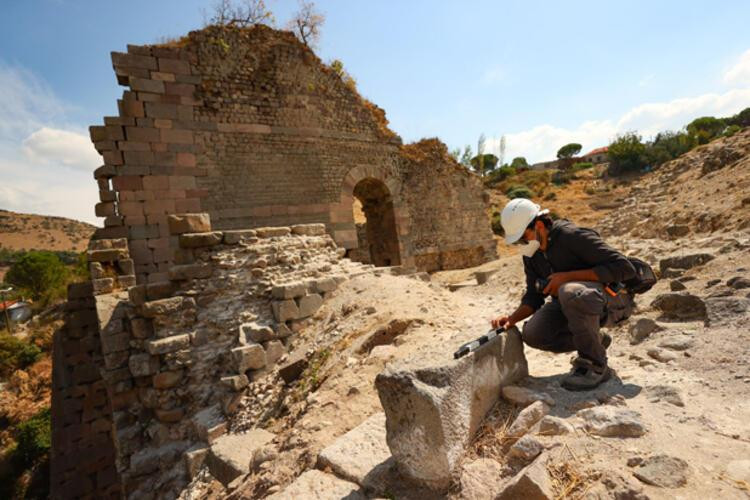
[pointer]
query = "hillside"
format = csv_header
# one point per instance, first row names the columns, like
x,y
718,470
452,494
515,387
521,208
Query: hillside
x,y
43,232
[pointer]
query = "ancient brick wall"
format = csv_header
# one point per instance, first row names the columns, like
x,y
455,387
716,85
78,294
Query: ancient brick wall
x,y
250,127
447,208
82,458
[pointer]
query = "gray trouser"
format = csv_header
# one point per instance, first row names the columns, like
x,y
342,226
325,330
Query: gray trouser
x,y
572,321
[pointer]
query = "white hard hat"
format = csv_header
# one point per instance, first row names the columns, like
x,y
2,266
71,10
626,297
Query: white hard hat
x,y
516,217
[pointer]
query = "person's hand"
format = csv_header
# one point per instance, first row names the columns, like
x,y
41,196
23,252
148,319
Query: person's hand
x,y
556,280
503,321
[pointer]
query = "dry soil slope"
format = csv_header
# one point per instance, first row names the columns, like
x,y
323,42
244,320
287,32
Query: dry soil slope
x,y
703,191
31,231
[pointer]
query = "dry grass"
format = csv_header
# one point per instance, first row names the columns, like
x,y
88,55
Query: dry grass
x,y
569,480
491,440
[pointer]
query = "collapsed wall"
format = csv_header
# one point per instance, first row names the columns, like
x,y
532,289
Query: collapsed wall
x,y
249,126
167,362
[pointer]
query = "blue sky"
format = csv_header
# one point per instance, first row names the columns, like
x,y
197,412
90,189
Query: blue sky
x,y
541,73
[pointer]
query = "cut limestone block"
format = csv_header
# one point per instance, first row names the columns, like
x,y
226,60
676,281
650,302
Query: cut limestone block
x,y
361,455
284,310
320,486
434,407
209,423
309,304
533,482
231,454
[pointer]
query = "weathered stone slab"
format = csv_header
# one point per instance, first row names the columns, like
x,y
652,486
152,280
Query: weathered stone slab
x,y
234,237
231,454
189,223
168,344
533,482
270,232
190,271
196,240
284,310
289,290
434,407
309,304
320,486
309,229
361,455
250,357
684,261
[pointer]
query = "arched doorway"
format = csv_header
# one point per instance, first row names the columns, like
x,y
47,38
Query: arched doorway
x,y
375,221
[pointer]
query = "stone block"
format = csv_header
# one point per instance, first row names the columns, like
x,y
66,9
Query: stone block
x,y
361,455
143,364
235,382
533,482
250,357
183,272
270,232
434,407
167,379
309,304
293,368
256,332
274,351
197,240
161,307
194,459
209,423
316,484
289,290
108,255
170,416
231,454
168,344
234,237
146,85
141,328
324,285
309,229
284,310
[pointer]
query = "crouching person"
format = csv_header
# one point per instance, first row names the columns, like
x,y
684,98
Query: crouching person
x,y
582,274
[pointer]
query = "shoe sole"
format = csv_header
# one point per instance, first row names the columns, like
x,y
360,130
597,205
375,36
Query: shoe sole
x,y
605,378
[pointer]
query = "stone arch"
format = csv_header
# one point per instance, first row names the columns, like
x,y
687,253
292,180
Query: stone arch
x,y
379,190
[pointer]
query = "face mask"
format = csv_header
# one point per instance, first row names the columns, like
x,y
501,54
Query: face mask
x,y
530,248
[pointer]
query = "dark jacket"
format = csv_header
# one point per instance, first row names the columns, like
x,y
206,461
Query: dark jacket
x,y
573,248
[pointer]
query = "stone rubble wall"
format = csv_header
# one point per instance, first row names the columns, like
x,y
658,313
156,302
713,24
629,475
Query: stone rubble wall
x,y
175,356
252,128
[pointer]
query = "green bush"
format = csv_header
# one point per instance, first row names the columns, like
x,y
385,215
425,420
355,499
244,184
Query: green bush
x,y
16,354
43,274
497,227
519,191
561,177
731,130
33,438
582,165
627,154
706,128
500,174
519,163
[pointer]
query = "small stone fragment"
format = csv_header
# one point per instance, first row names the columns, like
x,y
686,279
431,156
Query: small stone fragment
x,y
609,421
663,471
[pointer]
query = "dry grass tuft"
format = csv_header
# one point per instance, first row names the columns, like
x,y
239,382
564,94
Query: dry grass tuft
x,y
569,480
491,439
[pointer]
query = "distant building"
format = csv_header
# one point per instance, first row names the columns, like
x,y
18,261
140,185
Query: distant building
x,y
596,156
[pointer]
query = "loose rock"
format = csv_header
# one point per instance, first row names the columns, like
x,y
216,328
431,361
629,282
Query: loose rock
x,y
642,329
680,306
609,421
664,471
523,396
526,449
480,479
554,426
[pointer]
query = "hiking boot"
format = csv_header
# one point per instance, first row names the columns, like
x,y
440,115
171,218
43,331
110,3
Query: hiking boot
x,y
585,375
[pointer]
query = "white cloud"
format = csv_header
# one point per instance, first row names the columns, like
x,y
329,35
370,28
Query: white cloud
x,y
45,165
72,149
542,142
739,74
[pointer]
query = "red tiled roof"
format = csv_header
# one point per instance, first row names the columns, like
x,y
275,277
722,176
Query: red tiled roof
x,y
597,151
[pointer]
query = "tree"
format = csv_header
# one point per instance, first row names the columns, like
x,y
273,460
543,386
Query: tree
x,y
569,150
240,13
466,156
706,128
485,163
479,167
627,154
38,272
519,163
741,119
501,150
306,24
